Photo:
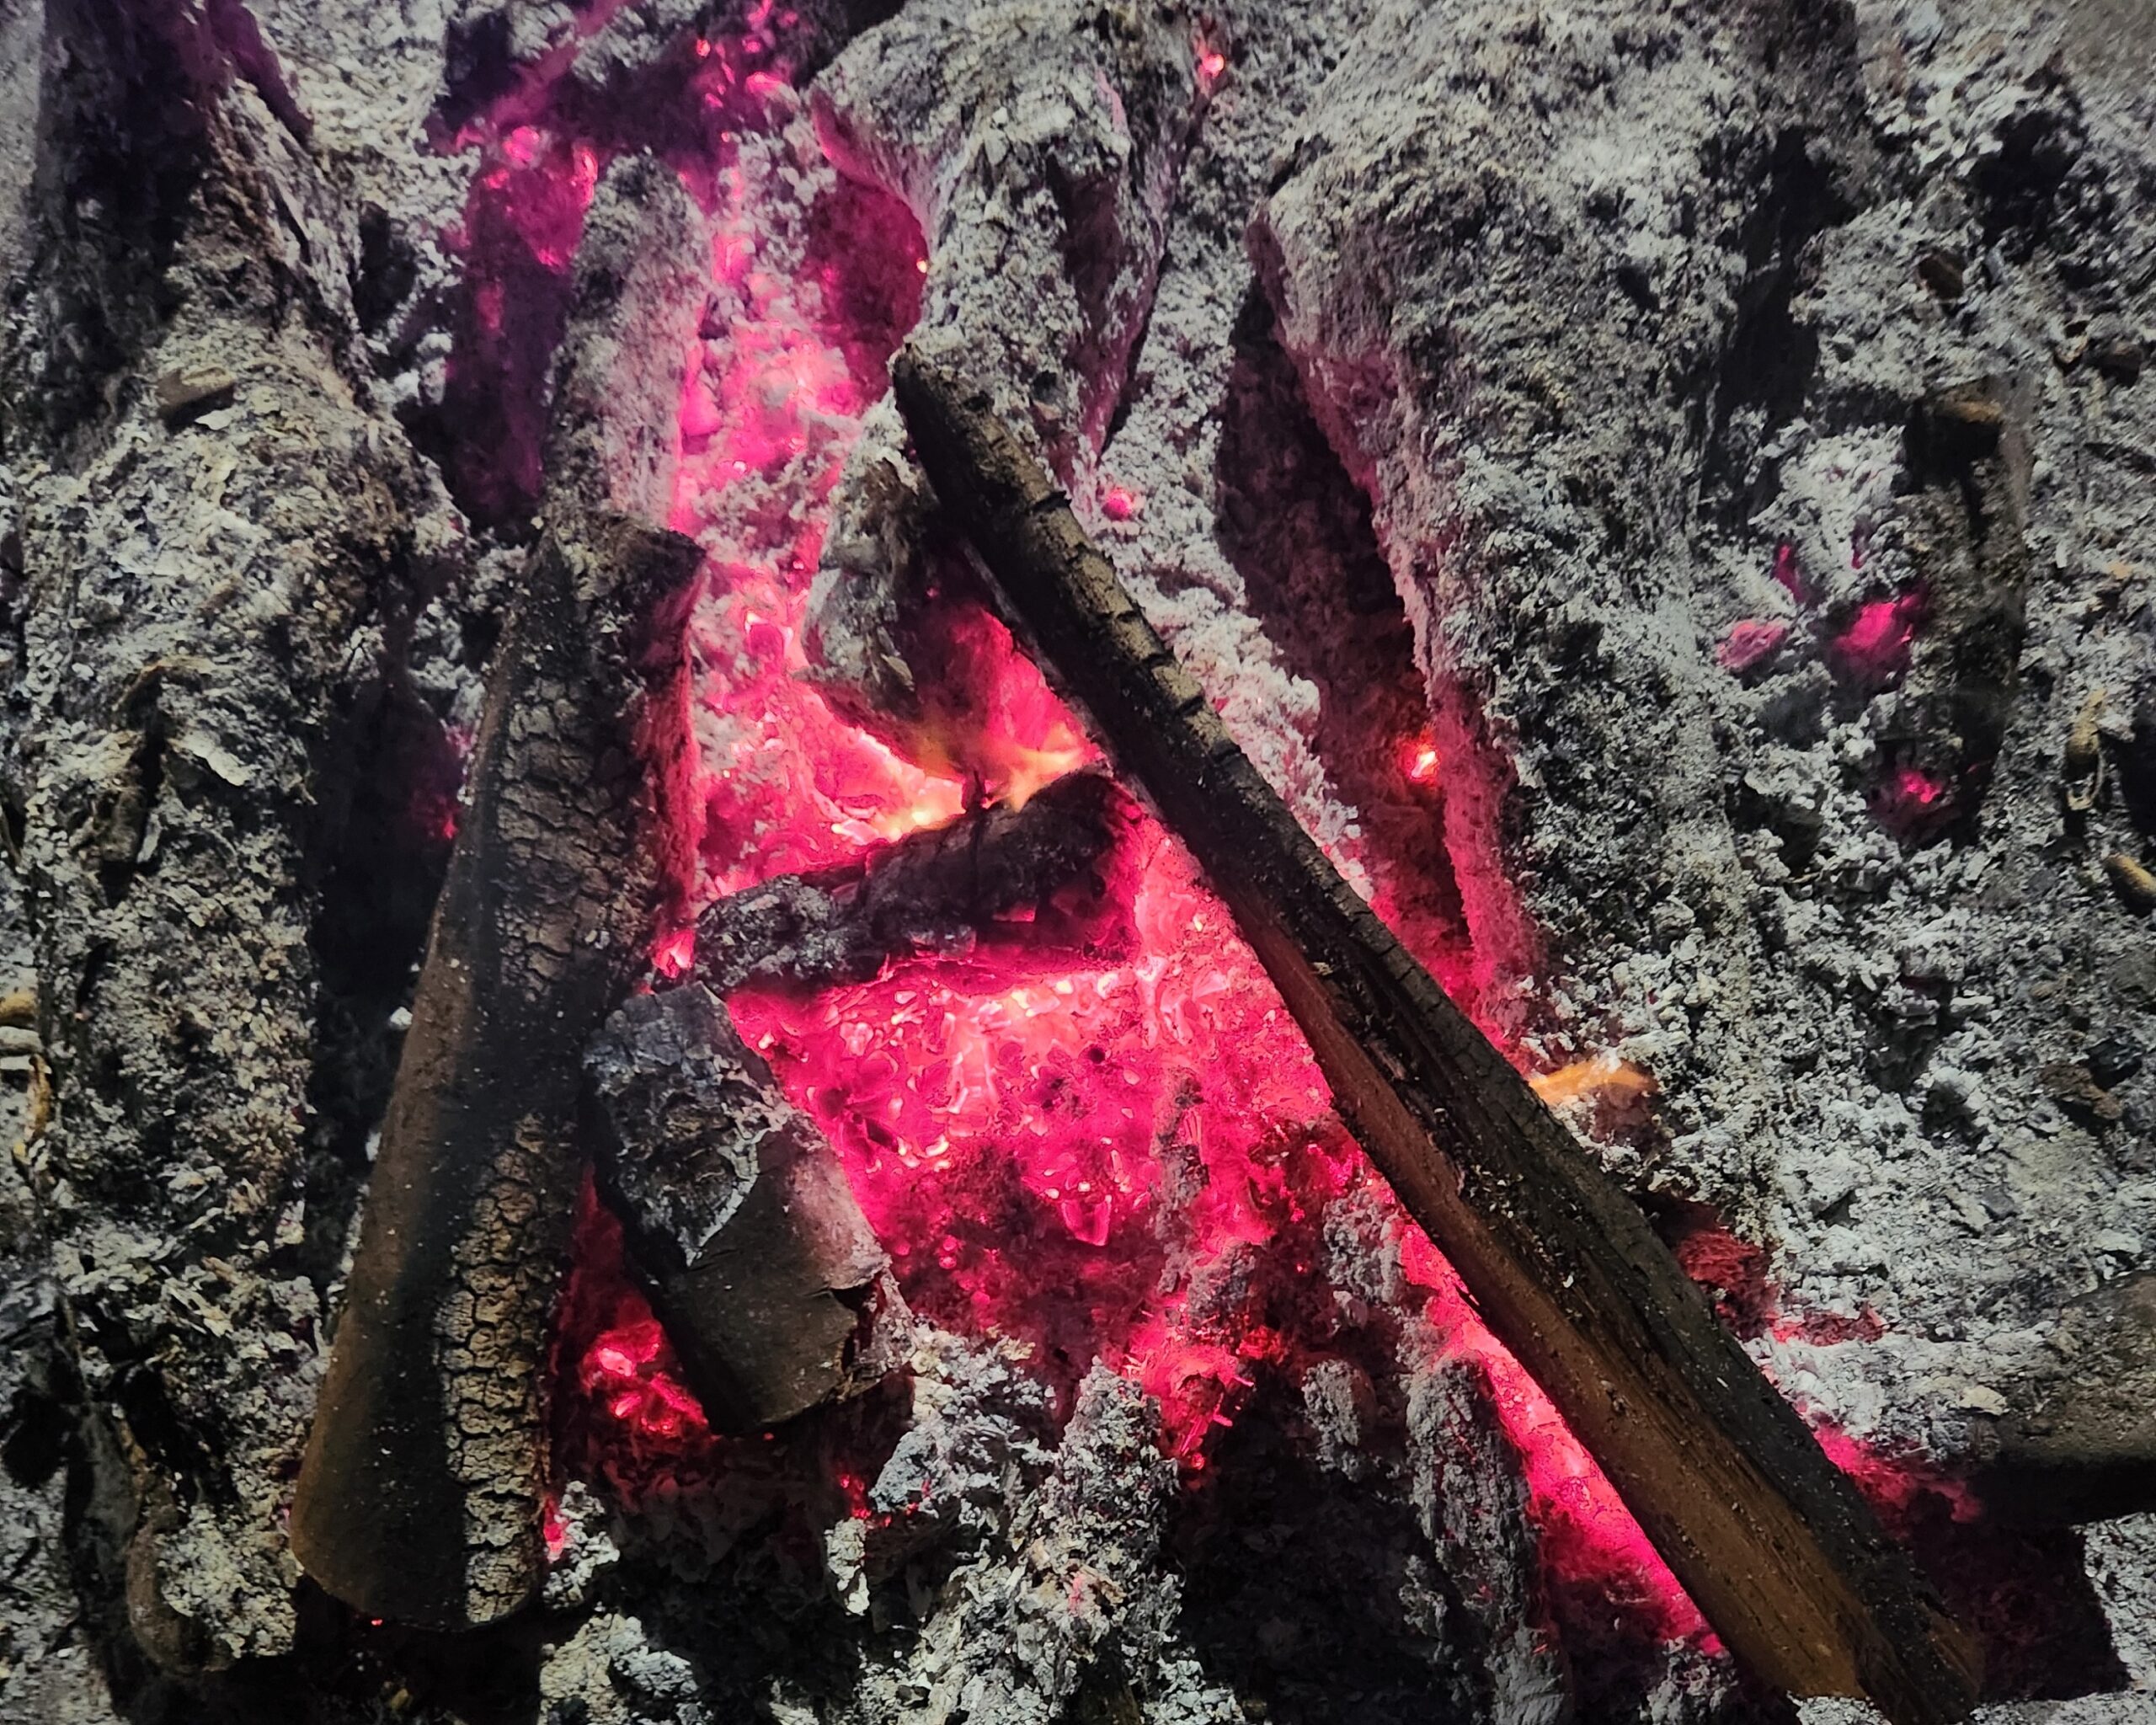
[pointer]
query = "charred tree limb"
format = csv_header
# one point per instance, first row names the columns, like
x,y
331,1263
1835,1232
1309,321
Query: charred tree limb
x,y
421,1493
737,1217
928,891
419,1499
1773,1542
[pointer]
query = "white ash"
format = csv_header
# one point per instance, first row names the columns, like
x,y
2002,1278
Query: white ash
x,y
1037,142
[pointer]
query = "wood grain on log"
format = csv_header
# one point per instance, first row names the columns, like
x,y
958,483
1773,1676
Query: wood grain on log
x,y
1772,1542
420,1495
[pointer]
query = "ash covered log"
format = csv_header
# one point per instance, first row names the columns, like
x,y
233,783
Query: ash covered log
x,y
1772,1543
1039,142
737,1217
421,1496
929,890
197,591
2076,1443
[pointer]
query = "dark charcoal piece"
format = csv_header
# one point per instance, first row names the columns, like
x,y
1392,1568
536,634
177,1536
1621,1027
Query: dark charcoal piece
x,y
737,1217
2081,1446
932,891
1969,459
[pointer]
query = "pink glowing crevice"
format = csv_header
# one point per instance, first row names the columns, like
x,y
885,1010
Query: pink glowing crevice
x,y
1873,651
1750,644
1790,574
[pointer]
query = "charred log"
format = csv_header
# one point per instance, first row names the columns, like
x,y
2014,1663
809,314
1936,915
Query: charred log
x,y
420,1498
1772,1543
928,892
738,1215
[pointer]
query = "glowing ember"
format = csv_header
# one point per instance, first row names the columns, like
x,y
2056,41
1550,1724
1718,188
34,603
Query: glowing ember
x,y
1874,650
1603,1077
1750,644
1912,801
1098,1132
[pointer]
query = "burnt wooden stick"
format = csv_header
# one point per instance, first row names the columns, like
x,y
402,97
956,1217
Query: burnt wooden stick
x,y
421,1496
1771,1540
1967,518
927,891
737,1217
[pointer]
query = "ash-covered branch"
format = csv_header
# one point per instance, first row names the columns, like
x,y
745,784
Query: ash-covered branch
x,y
928,892
1770,1540
1038,142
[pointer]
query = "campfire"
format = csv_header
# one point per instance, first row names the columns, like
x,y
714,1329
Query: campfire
x,y
1045,863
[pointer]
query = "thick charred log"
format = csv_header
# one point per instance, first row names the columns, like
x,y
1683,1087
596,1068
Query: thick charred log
x,y
1772,1543
931,891
421,1496
737,1217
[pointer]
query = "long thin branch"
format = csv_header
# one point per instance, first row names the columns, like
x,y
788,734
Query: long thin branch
x,y
1771,1540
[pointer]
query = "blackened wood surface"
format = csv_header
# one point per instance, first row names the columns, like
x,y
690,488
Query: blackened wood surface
x,y
737,1217
926,892
1772,1542
421,1496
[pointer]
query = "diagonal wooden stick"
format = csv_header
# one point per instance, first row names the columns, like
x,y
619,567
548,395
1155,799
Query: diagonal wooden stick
x,y
1771,1540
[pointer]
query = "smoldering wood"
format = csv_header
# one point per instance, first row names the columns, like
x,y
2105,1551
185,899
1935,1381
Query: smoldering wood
x,y
1772,1543
420,1496
929,891
737,1217
735,1210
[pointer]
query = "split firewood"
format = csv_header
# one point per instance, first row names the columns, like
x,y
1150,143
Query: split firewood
x,y
737,1214
421,1495
929,891
1774,1544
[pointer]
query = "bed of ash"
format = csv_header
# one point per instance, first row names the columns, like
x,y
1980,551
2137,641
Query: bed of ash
x,y
1577,630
